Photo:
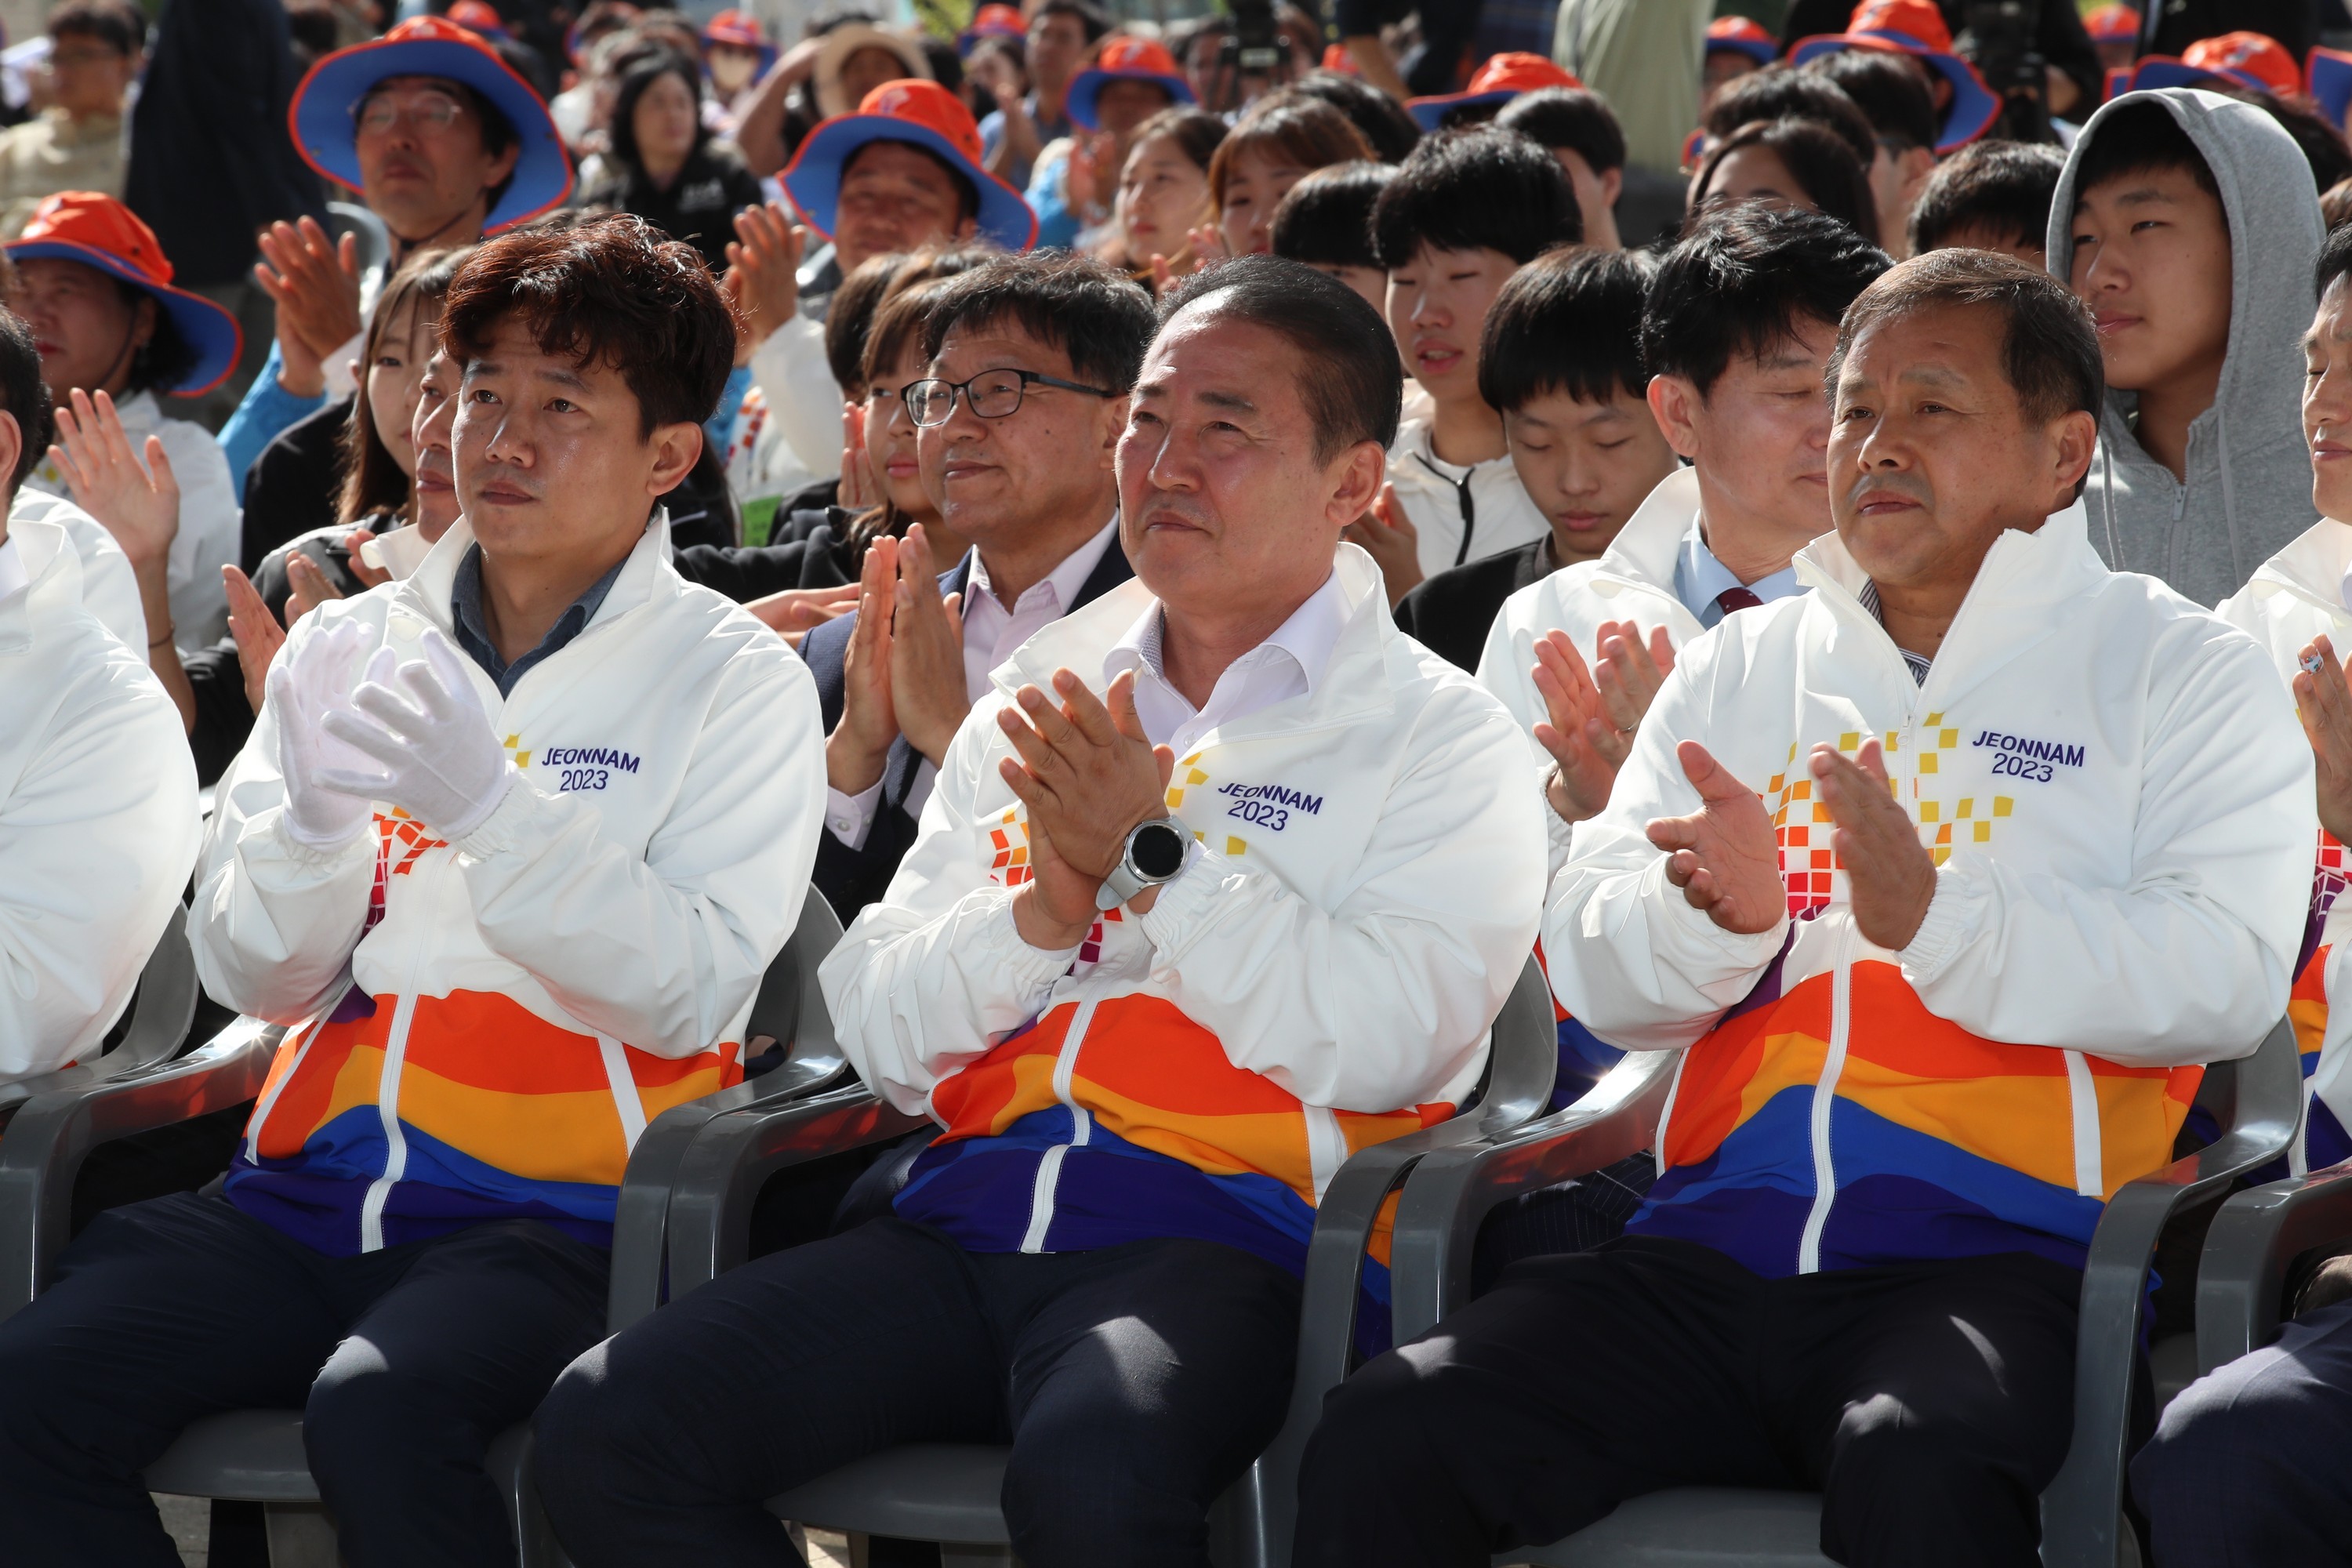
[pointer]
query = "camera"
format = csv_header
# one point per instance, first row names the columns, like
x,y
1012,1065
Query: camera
x,y
1254,47
1998,37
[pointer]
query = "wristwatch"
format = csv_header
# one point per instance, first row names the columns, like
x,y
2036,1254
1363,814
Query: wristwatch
x,y
1155,852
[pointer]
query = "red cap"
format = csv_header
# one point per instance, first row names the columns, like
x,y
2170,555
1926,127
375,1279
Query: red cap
x,y
1337,59
101,223
1517,71
478,17
1918,20
1145,56
2242,54
1740,31
2113,24
1001,21
739,28
931,106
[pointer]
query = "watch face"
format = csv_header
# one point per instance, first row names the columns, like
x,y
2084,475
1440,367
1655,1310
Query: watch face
x,y
1157,850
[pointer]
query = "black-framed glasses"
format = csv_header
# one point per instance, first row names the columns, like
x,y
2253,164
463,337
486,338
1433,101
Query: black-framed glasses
x,y
992,394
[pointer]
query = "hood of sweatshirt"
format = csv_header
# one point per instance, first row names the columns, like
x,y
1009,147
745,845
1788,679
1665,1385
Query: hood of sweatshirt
x,y
2247,486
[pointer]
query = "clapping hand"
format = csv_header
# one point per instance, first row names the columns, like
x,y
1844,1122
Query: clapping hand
x,y
2325,705
762,277
424,724
1723,857
1591,722
305,692
315,283
139,503
928,689
1890,876
1088,775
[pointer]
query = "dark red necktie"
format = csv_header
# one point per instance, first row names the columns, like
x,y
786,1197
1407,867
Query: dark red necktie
x,y
1737,599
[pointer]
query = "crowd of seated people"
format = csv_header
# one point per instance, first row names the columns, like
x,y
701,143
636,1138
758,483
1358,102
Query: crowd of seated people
x,y
1208,568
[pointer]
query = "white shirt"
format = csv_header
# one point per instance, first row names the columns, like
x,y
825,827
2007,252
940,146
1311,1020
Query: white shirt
x,y
1288,664
1700,579
13,579
990,633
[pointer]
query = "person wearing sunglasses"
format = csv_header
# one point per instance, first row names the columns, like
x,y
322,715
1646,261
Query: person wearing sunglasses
x,y
1029,360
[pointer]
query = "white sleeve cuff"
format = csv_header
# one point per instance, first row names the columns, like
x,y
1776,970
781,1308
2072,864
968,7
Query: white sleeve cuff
x,y
1182,911
850,817
1943,932
503,828
1029,971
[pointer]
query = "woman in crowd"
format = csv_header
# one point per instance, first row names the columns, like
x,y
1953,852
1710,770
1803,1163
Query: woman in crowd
x,y
1785,164
1164,193
1286,138
663,165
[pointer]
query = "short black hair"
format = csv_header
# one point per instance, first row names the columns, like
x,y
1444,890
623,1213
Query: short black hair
x,y
2140,139
2049,348
1570,321
1480,189
23,394
2000,188
1887,90
879,279
1384,121
1098,317
2320,139
1742,281
1778,92
1090,17
1326,219
120,27
1569,117
1347,371
2335,260
1816,159
967,194
613,290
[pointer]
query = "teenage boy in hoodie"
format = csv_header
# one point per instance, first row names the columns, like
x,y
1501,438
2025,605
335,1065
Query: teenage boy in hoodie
x,y
511,846
1869,845
2187,222
2247,1466
1467,210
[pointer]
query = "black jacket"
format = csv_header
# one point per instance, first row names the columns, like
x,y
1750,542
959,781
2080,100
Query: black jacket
x,y
811,550
700,207
852,878
1451,613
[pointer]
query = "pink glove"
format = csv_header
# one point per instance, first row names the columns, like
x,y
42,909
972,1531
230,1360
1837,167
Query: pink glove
x,y
442,763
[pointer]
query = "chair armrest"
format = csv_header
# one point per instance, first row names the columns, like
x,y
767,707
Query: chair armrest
x,y
1454,1189
46,1143
160,1015
2254,1239
2081,1520
732,1155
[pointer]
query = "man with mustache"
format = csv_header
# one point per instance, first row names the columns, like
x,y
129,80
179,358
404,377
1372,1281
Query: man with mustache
x,y
1224,878
1049,343
1936,1001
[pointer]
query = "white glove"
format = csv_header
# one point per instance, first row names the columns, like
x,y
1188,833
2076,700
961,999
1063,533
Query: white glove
x,y
301,693
442,761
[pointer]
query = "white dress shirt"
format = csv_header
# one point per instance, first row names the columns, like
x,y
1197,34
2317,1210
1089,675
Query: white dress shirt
x,y
1700,579
990,633
13,579
1288,664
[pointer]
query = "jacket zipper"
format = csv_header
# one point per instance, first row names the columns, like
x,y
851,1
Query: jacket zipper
x,y
387,1094
1049,1168
1809,1250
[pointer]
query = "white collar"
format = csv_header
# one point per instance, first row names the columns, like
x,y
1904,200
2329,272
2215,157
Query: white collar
x,y
1308,635
14,578
1068,580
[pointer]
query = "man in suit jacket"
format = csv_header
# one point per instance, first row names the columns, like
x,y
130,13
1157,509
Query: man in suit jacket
x,y
1031,361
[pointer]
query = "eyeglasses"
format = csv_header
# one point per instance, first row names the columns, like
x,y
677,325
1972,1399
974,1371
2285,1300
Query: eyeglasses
x,y
379,115
992,394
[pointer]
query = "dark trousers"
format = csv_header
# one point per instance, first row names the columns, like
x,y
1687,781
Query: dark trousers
x,y
1930,1402
2251,1466
405,1362
1134,1384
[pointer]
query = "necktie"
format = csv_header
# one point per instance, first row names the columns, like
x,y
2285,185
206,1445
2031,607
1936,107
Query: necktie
x,y
1732,599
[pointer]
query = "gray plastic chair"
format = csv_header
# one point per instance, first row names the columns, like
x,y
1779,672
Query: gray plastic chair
x,y
948,1493
257,1454
2256,1101
2255,1239
161,1010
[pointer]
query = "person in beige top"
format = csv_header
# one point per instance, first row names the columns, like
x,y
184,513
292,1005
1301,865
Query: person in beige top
x,y
76,143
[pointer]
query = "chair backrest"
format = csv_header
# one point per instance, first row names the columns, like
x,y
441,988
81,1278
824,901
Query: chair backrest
x,y
1523,1062
790,1008
161,1010
375,238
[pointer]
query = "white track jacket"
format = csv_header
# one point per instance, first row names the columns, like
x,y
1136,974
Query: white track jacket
x,y
2121,811
1321,977
98,809
2298,595
486,1027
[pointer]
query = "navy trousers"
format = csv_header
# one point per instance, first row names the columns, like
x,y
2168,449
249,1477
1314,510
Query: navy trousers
x,y
406,1363
1134,1384
1929,1402
2251,1466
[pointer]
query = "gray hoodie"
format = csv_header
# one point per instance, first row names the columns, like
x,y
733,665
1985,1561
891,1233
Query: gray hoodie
x,y
2249,490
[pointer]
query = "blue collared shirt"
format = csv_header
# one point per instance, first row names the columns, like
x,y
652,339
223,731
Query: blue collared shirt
x,y
474,635
1699,578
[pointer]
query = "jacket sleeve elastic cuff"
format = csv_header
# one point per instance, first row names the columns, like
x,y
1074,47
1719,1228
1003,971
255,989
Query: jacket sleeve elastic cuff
x,y
507,825
307,855
1942,933
1028,972
1182,911
1559,837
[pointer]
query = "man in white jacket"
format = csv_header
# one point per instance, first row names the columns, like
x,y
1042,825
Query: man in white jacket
x,y
1943,879
512,902
98,795
2247,1465
1241,895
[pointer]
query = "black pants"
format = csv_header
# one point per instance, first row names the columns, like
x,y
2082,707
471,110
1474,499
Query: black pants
x,y
1930,1402
2251,1466
405,1362
1134,1384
